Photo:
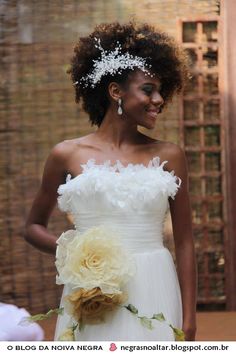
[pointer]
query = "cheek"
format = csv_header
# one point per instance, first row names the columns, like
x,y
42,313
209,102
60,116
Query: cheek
x,y
135,102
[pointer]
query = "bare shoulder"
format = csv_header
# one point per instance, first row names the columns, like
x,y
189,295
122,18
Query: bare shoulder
x,y
68,155
173,151
63,149
69,146
55,168
175,156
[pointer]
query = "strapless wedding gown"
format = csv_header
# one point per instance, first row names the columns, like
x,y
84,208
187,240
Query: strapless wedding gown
x,y
134,199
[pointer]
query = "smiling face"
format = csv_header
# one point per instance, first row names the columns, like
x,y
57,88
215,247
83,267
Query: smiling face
x,y
141,100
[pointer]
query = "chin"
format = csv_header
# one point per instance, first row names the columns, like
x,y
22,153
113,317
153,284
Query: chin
x,y
148,126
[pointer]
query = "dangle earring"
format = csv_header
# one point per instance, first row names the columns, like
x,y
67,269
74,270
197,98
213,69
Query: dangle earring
x,y
120,111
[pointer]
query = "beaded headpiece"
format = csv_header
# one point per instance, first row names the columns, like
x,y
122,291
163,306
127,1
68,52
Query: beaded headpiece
x,y
112,62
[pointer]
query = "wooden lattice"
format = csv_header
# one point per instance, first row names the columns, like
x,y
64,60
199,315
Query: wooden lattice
x,y
203,140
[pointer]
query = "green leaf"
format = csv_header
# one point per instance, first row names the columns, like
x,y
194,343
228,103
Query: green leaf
x,y
159,317
41,316
146,322
58,311
68,334
81,326
132,309
179,333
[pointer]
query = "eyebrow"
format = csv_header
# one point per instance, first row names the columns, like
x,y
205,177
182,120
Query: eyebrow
x,y
153,84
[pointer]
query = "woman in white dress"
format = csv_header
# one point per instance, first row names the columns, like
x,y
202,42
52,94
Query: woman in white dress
x,y
125,75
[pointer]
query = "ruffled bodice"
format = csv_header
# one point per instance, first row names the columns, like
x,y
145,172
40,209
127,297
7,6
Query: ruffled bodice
x,y
132,198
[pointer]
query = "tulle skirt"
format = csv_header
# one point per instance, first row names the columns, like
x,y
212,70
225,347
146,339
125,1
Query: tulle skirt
x,y
154,289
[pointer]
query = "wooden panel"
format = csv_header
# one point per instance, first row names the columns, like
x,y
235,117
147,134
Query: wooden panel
x,y
228,89
202,138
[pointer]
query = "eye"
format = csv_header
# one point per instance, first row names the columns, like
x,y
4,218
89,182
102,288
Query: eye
x,y
148,90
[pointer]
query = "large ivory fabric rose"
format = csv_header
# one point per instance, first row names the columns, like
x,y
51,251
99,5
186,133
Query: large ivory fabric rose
x,y
95,258
90,306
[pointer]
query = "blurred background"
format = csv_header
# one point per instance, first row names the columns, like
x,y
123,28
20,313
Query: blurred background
x,y
37,110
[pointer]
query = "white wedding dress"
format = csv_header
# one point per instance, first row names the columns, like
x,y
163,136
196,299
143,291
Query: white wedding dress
x,y
134,199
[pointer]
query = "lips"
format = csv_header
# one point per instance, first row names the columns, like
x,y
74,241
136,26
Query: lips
x,y
152,114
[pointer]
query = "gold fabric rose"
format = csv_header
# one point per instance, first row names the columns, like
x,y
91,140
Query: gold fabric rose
x,y
91,306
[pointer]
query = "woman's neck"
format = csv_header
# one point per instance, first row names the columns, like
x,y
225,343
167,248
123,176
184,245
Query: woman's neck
x,y
117,130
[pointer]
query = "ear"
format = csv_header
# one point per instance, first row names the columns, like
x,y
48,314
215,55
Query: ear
x,y
115,91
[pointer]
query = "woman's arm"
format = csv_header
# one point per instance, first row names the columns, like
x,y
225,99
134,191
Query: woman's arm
x,y
54,173
184,246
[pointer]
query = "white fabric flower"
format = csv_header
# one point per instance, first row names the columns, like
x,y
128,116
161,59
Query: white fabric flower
x,y
94,258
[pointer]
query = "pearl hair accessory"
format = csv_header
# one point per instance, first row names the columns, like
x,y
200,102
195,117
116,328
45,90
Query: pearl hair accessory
x,y
112,62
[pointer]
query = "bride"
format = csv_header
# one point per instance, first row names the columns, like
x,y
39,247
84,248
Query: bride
x,y
125,75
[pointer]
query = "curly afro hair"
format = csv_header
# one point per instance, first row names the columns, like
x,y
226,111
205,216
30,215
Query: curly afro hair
x,y
169,62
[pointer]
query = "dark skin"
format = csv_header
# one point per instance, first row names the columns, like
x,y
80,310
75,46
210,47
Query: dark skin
x,y
118,139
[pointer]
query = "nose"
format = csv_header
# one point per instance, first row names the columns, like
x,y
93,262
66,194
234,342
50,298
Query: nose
x,y
157,99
